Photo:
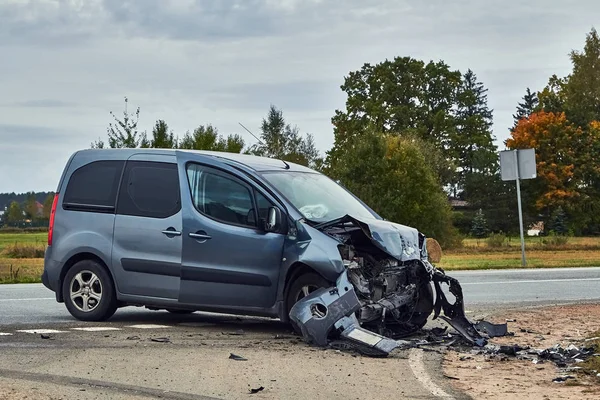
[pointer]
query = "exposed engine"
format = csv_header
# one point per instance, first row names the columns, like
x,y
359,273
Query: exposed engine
x,y
396,297
385,292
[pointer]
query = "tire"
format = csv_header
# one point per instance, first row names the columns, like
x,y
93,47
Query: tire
x,y
296,291
93,290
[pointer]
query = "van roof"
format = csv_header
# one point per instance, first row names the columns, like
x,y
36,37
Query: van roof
x,y
256,163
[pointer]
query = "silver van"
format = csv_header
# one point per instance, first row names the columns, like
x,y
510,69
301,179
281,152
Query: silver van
x,y
187,231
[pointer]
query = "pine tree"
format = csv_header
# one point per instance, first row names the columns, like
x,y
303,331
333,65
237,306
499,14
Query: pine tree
x,y
526,107
479,227
558,221
472,144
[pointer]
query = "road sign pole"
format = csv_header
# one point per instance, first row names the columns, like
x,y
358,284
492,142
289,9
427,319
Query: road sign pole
x,y
523,260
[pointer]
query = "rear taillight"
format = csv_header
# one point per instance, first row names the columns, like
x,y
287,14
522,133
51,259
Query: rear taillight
x,y
52,213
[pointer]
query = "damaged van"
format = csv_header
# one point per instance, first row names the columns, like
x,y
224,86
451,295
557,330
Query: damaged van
x,y
192,230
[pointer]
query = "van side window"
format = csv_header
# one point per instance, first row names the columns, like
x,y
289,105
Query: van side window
x,y
94,187
149,189
221,198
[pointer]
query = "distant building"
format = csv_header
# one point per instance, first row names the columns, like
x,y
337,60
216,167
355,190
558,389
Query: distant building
x,y
535,229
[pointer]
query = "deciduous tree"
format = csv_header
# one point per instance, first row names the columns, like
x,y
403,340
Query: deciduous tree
x,y
123,132
162,138
14,213
208,138
392,175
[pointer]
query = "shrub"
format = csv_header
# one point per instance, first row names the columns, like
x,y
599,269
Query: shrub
x,y
10,229
20,250
553,239
496,240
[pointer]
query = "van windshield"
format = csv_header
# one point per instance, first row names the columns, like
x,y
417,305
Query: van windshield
x,y
317,197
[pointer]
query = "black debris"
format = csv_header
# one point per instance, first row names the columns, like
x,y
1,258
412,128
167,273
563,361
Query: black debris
x,y
161,340
439,331
236,357
44,336
451,377
133,338
260,389
563,378
492,330
510,350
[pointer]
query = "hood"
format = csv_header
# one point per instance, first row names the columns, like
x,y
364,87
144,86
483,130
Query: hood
x,y
399,241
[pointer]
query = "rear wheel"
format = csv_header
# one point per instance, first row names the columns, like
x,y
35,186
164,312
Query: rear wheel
x,y
302,287
89,292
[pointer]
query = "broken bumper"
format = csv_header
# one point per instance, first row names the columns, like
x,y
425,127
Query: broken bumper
x,y
327,312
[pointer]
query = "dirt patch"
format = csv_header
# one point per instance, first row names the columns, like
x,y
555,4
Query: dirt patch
x,y
540,328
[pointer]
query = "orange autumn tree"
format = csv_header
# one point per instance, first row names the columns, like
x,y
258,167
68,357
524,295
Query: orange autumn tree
x,y
558,146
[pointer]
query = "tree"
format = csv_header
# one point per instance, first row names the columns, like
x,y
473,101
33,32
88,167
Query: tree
x,y
208,138
558,221
526,107
479,227
280,140
48,205
14,213
400,96
391,174
472,143
557,143
582,88
123,133
161,137
31,209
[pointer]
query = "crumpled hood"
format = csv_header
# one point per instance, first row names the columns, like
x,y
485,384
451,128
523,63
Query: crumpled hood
x,y
399,241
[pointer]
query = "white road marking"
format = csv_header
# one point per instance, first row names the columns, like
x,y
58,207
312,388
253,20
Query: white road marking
x,y
5,334
97,329
530,281
39,331
30,299
148,326
415,361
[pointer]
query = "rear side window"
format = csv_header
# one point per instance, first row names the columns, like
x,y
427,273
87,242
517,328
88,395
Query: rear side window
x,y
149,189
94,186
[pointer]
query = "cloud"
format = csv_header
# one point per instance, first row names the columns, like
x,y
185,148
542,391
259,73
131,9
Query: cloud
x,y
67,63
40,103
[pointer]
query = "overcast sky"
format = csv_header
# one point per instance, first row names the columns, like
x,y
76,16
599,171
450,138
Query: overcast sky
x,y
64,64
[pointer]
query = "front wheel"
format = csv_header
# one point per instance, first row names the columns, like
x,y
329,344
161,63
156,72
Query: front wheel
x,y
302,287
89,292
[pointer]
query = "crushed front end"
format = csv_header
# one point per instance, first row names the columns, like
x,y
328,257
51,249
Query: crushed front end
x,y
387,291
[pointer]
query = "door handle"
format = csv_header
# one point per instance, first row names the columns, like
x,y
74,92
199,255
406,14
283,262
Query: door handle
x,y
200,236
171,232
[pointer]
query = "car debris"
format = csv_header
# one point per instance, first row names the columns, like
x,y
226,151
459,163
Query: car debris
x,y
259,389
385,293
236,357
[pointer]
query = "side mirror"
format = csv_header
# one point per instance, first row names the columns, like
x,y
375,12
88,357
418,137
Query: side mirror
x,y
274,220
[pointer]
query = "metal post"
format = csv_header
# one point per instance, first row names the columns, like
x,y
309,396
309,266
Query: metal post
x,y
523,260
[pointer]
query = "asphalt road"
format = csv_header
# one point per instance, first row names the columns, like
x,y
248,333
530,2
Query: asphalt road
x,y
33,303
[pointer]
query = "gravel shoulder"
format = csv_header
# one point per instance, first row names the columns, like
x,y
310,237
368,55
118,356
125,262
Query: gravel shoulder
x,y
539,327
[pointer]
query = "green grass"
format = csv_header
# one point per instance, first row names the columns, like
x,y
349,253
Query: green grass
x,y
474,255
22,238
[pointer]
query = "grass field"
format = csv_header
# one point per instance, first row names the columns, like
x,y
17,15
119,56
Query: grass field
x,y
474,255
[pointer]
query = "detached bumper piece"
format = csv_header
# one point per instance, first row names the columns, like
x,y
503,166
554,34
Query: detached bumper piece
x,y
330,313
327,311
